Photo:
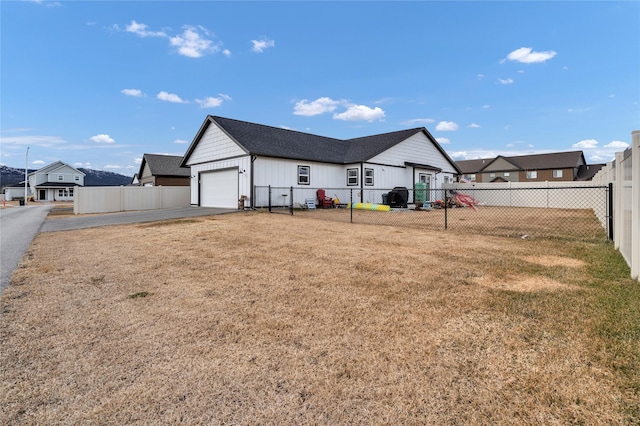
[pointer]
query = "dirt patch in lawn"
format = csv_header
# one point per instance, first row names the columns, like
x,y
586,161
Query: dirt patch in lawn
x,y
256,318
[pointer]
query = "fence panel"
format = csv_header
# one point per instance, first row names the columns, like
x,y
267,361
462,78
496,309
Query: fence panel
x,y
108,199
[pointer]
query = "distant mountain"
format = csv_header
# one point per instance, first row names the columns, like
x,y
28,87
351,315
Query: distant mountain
x,y
102,178
10,176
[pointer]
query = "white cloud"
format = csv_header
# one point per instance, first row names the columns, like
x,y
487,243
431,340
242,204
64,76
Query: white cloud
x,y
473,126
226,52
132,92
138,160
327,105
617,145
170,97
443,141
317,107
418,121
259,46
446,126
192,44
42,141
38,163
360,113
486,106
180,141
83,165
505,81
586,144
526,55
102,138
209,102
112,166
141,30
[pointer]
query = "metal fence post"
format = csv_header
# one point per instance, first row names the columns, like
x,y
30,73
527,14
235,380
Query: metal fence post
x,y
269,198
291,201
446,203
351,206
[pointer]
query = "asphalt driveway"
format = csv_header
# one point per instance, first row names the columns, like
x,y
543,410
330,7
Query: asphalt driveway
x,y
120,218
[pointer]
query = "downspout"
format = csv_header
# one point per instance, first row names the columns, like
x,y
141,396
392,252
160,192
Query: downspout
x,y
361,182
253,189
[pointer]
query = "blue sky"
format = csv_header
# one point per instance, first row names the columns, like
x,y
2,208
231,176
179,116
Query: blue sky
x,y
99,84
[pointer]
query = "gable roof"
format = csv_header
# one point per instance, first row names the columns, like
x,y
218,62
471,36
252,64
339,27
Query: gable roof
x,y
164,165
554,160
53,167
262,140
472,166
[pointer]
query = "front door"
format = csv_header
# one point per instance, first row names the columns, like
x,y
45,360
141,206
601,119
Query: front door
x,y
43,195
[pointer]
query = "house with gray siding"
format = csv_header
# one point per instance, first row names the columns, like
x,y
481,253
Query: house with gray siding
x,y
55,182
230,158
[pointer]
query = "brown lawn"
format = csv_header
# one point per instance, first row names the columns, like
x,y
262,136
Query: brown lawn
x,y
256,318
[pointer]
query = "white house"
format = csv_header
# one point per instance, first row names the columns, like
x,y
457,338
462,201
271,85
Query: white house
x,y
55,182
229,159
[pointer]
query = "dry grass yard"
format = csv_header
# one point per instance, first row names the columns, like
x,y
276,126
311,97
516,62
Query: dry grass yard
x,y
257,318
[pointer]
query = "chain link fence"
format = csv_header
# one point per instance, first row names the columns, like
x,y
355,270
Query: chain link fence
x,y
572,213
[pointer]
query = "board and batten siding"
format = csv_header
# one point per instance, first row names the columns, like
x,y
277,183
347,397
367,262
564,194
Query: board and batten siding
x,y
283,173
214,145
417,149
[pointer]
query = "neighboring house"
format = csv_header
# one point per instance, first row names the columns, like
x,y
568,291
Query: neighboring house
x,y
16,192
163,170
557,166
55,182
135,181
229,158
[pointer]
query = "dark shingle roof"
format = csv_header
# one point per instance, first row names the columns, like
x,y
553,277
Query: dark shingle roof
x,y
164,165
555,160
472,166
588,171
259,139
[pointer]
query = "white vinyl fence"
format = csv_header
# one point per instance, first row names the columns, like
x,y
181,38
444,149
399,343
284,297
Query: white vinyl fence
x,y
106,199
624,174
552,195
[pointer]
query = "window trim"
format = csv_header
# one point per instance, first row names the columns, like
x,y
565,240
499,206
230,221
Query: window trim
x,y
355,177
559,172
302,175
532,174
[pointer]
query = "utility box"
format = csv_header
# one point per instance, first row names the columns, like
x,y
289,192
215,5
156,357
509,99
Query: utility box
x,y
420,193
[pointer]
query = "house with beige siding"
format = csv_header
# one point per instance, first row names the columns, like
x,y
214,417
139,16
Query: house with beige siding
x,y
230,158
551,167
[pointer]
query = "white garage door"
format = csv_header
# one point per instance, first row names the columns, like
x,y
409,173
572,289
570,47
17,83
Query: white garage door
x,y
219,188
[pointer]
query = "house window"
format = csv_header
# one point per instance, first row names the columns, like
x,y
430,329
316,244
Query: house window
x,y
532,174
70,192
352,177
470,178
303,175
60,177
506,174
492,175
62,193
557,174
368,177
77,178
